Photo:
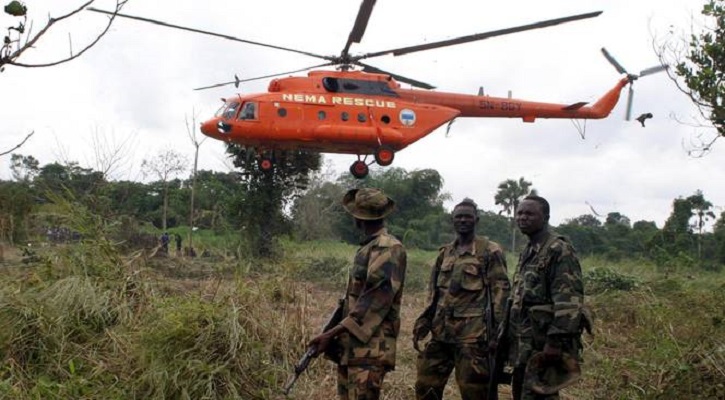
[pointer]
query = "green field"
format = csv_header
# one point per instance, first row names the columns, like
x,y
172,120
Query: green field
x,y
85,321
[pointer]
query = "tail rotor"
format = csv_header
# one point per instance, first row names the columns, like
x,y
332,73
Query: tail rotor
x,y
631,77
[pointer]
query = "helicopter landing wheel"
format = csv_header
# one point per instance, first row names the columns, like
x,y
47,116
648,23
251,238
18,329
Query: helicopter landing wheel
x,y
359,169
384,155
265,164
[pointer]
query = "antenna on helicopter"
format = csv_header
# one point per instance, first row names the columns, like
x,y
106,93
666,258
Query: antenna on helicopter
x,y
631,78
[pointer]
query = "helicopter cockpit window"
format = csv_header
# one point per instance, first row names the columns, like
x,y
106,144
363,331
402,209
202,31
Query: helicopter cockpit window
x,y
220,111
231,110
330,84
249,110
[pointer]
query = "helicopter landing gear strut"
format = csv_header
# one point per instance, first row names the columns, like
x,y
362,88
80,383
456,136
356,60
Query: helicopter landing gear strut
x,y
384,156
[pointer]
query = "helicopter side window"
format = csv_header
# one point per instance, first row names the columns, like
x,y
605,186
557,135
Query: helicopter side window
x,y
248,111
350,86
231,110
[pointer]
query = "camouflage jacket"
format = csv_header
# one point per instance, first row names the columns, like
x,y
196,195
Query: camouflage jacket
x,y
372,302
548,299
458,292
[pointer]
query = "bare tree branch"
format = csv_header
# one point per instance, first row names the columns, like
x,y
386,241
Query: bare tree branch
x,y
19,145
10,59
110,155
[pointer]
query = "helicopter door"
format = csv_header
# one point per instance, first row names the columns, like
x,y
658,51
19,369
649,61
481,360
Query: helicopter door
x,y
249,111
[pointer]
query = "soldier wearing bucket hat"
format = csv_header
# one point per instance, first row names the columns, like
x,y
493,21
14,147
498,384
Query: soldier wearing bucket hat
x,y
368,331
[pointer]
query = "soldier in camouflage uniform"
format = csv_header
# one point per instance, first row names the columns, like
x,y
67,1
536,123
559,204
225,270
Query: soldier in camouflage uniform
x,y
369,329
464,273
548,294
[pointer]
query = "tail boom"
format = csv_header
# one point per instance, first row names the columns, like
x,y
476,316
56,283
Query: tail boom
x,y
529,111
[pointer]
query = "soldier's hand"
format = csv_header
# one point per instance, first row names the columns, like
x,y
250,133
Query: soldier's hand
x,y
320,344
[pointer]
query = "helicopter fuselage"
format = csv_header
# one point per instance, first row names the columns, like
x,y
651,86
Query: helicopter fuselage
x,y
355,112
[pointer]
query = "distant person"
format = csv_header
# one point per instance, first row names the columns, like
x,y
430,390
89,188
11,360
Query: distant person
x,y
370,324
177,239
466,272
547,314
165,242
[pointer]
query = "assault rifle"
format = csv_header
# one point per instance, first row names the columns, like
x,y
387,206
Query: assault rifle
x,y
497,360
333,351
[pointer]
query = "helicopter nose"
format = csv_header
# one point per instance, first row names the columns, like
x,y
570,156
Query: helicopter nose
x,y
215,128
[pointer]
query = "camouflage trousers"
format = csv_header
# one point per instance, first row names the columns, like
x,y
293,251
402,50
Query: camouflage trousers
x,y
520,393
361,382
438,360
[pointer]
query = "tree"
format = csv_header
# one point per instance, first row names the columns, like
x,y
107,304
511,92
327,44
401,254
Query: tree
x,y
719,233
192,132
110,155
508,196
678,233
260,207
24,168
586,233
165,166
18,40
701,210
316,213
700,63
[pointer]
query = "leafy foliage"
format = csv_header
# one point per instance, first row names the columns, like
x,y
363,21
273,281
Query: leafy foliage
x,y
602,279
259,210
704,68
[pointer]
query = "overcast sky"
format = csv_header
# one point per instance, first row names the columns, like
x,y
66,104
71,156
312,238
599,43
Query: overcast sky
x,y
137,82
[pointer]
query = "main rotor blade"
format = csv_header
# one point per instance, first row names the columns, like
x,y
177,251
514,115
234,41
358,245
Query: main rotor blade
x,y
614,62
232,38
419,84
653,70
478,36
361,23
236,81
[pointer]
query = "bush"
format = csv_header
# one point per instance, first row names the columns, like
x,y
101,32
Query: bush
x,y
602,279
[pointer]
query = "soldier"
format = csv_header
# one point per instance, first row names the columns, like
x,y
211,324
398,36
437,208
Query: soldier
x,y
465,273
547,313
369,329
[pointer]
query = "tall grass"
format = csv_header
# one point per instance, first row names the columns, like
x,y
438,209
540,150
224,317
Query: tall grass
x,y
85,321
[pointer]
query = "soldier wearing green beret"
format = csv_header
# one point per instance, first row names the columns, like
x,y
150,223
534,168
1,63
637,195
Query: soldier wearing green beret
x,y
370,325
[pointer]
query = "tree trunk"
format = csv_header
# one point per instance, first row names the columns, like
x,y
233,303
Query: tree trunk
x,y
191,205
166,204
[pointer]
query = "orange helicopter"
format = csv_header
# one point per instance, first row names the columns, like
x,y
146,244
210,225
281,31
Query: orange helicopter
x,y
367,112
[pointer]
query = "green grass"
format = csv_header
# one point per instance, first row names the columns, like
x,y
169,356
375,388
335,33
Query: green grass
x,y
85,321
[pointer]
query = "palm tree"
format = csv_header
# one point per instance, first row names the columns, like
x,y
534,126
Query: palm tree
x,y
509,195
